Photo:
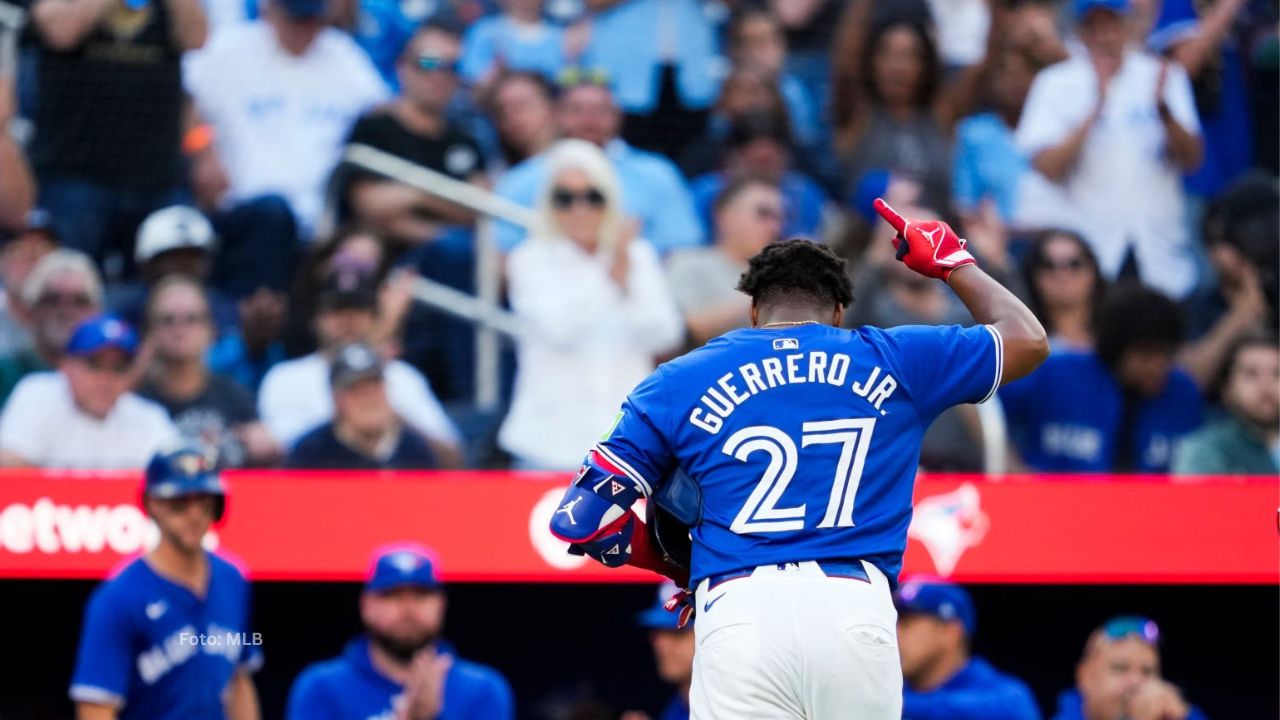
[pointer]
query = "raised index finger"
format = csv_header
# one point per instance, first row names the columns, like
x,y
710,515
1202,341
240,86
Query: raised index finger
x,y
890,215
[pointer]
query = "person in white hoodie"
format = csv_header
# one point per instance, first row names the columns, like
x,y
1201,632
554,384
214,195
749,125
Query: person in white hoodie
x,y
596,308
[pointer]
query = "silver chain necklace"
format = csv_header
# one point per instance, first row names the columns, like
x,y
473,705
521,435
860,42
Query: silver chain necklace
x,y
790,323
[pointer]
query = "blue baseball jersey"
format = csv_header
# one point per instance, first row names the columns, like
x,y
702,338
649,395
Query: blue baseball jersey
x,y
804,440
1067,416
349,687
156,651
977,692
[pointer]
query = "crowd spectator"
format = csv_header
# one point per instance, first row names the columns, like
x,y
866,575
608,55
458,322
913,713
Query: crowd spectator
x,y
758,146
1121,408
810,26
756,41
523,108
383,27
295,396
743,91
414,127
653,191
519,38
401,665
988,164
18,191
365,433
748,216
20,250
1203,40
661,56
210,410
942,679
173,240
83,415
109,115
1118,677
62,291
1247,440
672,653
1065,288
1114,127
1240,230
597,308
280,95
889,109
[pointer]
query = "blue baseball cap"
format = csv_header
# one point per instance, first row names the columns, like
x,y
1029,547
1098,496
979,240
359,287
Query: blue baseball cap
x,y
938,598
657,617
1119,7
101,332
303,8
404,565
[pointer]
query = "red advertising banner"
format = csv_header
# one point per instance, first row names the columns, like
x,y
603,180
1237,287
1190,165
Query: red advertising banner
x,y
489,526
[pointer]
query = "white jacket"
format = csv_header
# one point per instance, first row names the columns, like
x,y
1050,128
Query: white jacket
x,y
587,345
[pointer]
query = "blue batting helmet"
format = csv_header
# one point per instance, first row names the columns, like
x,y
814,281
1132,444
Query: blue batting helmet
x,y
182,472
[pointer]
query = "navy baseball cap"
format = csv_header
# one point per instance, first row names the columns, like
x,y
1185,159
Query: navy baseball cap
x,y
303,8
402,566
353,363
101,332
1119,7
658,617
938,598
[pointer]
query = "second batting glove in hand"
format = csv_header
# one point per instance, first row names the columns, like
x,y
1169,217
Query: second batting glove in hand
x,y
929,247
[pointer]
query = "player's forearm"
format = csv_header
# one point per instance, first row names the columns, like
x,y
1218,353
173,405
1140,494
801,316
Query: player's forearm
x,y
190,27
1025,343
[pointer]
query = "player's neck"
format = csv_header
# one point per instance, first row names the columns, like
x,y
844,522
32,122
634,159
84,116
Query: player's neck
x,y
188,569
785,318
942,671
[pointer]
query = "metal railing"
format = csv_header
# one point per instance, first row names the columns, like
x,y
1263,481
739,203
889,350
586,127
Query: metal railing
x,y
483,309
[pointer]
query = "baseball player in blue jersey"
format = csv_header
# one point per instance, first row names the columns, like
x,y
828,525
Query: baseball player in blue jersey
x,y
401,669
168,637
796,444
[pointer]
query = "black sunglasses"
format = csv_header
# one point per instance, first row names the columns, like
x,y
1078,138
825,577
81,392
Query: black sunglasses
x,y
564,198
1075,263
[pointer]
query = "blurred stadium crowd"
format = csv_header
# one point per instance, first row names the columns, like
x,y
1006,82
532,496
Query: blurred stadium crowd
x,y
182,166
189,249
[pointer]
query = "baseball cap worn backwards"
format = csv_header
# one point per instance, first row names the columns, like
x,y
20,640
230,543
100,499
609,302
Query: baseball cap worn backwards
x,y
402,566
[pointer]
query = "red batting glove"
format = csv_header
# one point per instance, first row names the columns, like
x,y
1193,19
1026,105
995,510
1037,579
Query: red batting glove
x,y
930,247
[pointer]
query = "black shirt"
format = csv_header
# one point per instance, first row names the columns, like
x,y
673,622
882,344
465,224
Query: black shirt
x,y
452,152
320,449
209,418
109,109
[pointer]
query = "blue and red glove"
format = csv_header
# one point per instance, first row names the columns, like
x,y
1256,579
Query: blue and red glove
x,y
929,247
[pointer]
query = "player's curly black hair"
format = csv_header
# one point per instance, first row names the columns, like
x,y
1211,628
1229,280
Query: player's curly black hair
x,y
797,271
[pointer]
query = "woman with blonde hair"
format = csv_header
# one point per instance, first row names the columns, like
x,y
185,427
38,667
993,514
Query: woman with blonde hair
x,y
596,309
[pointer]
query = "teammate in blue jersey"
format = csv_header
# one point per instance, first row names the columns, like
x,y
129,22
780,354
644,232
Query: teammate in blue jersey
x,y
401,669
168,637
799,441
